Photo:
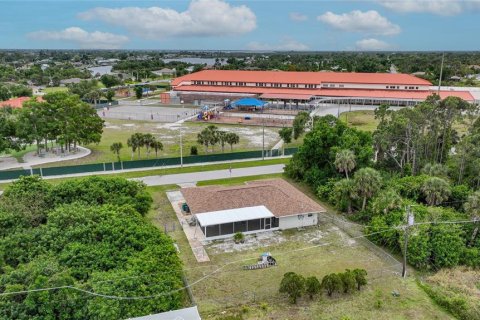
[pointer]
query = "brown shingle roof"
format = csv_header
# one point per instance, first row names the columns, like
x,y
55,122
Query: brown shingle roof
x,y
280,197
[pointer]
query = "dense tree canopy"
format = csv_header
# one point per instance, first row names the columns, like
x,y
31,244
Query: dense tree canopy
x,y
426,157
87,234
315,160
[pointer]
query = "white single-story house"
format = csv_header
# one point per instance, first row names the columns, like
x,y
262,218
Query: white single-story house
x,y
254,207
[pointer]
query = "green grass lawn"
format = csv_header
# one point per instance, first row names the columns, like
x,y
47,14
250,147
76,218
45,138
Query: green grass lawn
x,y
238,180
229,291
54,89
362,120
121,130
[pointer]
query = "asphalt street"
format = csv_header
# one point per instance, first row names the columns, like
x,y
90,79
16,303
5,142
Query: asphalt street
x,y
209,175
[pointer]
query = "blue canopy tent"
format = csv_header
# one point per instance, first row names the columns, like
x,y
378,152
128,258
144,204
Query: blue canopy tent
x,y
249,103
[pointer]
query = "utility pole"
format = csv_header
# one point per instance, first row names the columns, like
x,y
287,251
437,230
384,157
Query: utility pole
x,y
263,140
263,134
181,149
410,222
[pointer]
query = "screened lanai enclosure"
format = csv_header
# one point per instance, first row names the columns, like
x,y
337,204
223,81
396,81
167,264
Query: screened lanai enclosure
x,y
224,223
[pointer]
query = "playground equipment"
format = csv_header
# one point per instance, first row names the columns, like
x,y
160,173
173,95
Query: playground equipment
x,y
264,261
206,114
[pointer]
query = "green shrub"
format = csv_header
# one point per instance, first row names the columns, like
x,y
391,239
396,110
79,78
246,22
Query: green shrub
x,y
470,257
454,304
193,150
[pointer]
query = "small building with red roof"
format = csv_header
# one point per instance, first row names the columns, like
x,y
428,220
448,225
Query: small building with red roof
x,y
17,102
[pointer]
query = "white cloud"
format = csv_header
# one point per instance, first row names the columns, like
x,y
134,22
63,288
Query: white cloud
x,y
295,16
439,7
286,44
370,22
202,18
86,40
372,45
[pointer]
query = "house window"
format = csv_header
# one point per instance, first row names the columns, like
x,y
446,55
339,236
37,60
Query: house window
x,y
310,214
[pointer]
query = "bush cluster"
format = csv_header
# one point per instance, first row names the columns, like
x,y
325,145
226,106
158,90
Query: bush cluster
x,y
90,234
295,285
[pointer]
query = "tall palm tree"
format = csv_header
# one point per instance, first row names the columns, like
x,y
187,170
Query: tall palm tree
x,y
147,140
232,138
115,148
213,135
344,191
203,138
135,142
436,190
367,181
156,145
472,208
345,161
132,143
222,138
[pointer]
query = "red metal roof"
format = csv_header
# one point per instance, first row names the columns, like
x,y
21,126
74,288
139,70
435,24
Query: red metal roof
x,y
302,77
17,102
351,93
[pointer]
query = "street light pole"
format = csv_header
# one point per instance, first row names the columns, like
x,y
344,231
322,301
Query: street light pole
x,y
263,136
181,149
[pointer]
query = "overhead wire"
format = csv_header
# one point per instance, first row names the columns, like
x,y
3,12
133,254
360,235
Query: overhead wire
x,y
115,297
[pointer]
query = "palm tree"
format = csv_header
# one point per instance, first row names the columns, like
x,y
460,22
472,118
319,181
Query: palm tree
x,y
132,143
472,208
115,148
367,181
222,138
344,191
386,201
147,140
213,135
435,170
135,142
345,161
436,190
232,138
156,145
286,135
94,95
203,138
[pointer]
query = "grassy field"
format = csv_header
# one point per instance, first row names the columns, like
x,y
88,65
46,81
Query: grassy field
x,y
238,180
228,291
121,130
54,89
197,168
362,120
458,289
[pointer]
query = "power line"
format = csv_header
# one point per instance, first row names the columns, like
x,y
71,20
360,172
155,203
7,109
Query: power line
x,y
208,274
172,291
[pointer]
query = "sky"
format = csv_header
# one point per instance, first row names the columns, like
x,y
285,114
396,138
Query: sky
x,y
298,25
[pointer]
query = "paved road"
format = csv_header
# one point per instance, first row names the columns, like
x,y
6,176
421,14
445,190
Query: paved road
x,y
210,175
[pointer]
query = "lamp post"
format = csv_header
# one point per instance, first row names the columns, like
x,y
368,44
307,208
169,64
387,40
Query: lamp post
x,y
181,149
263,135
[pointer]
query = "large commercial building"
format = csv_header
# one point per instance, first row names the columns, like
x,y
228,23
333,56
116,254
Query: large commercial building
x,y
356,88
